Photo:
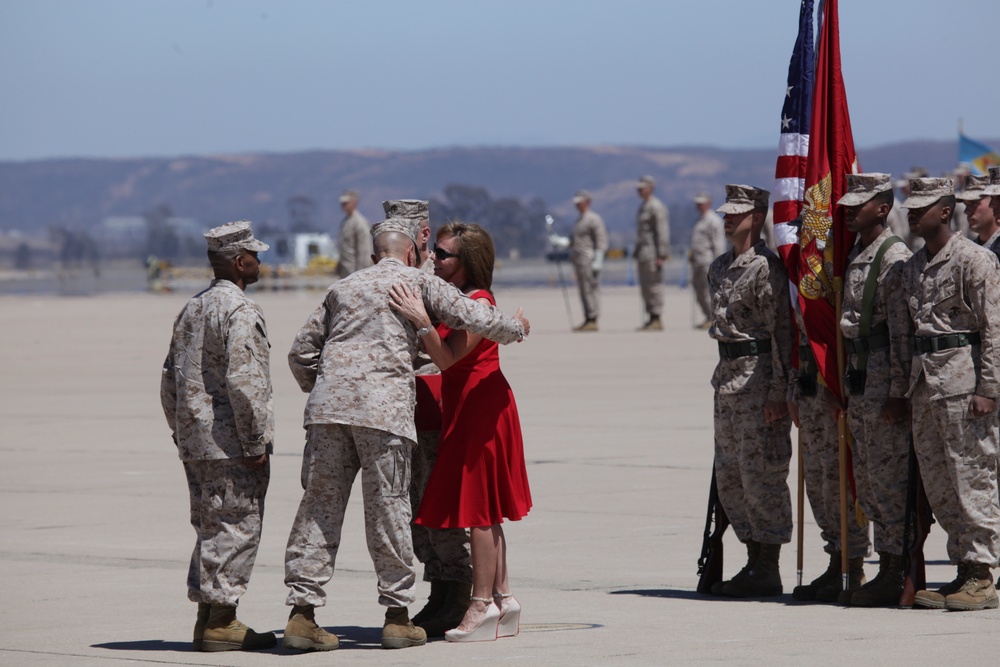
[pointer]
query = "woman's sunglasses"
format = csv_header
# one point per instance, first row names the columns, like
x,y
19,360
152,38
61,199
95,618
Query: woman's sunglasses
x,y
442,254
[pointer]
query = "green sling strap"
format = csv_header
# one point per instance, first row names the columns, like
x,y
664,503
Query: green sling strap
x,y
868,299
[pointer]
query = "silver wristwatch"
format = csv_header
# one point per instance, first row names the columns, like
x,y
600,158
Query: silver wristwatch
x,y
423,331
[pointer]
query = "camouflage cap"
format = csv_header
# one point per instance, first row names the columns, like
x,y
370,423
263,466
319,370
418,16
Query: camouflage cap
x,y
411,209
973,188
862,187
348,195
993,188
743,199
927,191
646,182
581,196
234,236
406,226
702,198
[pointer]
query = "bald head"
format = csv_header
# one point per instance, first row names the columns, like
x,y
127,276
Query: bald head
x,y
394,244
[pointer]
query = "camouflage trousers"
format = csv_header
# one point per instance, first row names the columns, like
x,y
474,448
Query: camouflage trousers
x,y
702,293
589,283
650,285
227,506
821,470
881,464
444,553
957,455
334,453
751,469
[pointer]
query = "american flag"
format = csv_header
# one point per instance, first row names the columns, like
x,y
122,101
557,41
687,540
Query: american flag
x,y
793,147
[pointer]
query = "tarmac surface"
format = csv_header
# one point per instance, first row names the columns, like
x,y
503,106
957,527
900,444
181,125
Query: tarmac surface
x,y
95,540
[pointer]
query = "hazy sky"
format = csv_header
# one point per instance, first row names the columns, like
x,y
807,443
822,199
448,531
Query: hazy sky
x,y
100,78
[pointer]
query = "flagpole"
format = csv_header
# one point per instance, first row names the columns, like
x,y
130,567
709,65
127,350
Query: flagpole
x,y
800,519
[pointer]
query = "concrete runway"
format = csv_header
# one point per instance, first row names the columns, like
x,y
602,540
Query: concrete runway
x,y
94,533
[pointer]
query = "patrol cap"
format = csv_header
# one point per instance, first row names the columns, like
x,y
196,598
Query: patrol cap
x,y
974,187
234,236
411,209
703,198
406,226
743,199
646,182
862,187
348,195
927,191
581,196
993,188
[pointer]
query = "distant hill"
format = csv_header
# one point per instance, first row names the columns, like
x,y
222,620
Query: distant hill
x,y
79,193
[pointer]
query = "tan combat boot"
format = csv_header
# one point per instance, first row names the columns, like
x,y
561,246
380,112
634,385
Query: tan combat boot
x,y
976,593
764,579
304,634
844,597
855,580
451,613
224,632
654,324
435,601
884,590
935,599
588,325
807,592
753,549
199,626
399,632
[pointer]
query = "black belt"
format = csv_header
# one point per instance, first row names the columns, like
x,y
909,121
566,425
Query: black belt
x,y
878,339
744,348
924,344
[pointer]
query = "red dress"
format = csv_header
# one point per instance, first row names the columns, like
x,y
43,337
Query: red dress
x,y
479,478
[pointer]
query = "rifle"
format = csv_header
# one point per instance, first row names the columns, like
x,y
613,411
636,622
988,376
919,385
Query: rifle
x,y
710,561
916,526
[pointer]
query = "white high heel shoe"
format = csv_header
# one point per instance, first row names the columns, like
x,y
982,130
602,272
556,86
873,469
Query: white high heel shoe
x,y
510,622
486,631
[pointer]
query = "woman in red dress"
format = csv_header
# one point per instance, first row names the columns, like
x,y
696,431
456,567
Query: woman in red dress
x,y
480,477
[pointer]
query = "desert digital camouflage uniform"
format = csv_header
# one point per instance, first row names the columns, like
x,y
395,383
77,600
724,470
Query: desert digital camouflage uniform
x,y
354,244
993,243
652,241
708,241
216,394
881,451
355,357
821,461
588,243
750,302
957,291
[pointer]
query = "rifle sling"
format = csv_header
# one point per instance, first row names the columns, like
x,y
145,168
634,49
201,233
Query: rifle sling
x,y
868,298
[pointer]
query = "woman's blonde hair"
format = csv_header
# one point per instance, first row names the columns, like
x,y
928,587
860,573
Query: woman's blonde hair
x,y
475,252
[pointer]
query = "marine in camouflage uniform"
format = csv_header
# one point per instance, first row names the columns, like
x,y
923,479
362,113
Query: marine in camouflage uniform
x,y
878,367
993,191
953,293
587,245
752,324
354,245
215,391
982,221
444,553
708,241
652,250
355,357
821,473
